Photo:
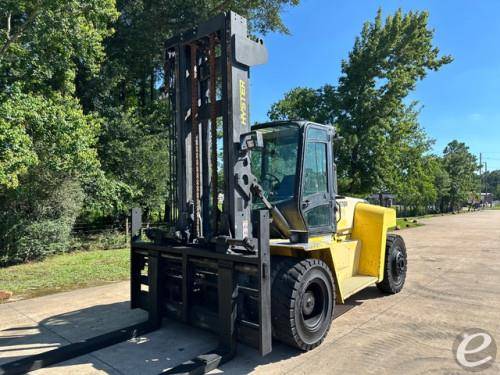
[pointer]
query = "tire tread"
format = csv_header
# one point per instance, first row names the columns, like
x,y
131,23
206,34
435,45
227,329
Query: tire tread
x,y
386,286
286,279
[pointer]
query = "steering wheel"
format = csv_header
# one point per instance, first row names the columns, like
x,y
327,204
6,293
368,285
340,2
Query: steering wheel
x,y
266,178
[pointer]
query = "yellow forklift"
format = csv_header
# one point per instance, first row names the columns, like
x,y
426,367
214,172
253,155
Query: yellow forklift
x,y
259,243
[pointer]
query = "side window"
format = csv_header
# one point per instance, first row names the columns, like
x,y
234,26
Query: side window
x,y
316,201
319,216
315,172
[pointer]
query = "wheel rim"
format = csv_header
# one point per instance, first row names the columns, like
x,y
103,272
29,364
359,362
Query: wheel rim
x,y
398,265
314,301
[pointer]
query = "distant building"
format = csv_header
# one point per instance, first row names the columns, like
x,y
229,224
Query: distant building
x,y
477,200
382,199
487,198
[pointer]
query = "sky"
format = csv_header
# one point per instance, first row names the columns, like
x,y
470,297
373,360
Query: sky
x,y
461,101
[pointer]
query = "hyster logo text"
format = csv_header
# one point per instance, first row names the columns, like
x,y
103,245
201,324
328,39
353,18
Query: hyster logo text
x,y
243,102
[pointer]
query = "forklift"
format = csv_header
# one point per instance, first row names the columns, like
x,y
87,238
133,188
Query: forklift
x,y
257,243
283,247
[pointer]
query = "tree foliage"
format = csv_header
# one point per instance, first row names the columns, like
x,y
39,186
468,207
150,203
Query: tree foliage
x,y
442,184
492,183
383,67
461,166
133,149
48,144
384,145
82,119
45,43
16,154
38,211
303,103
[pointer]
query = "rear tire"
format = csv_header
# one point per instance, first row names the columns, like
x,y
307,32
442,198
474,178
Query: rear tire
x,y
395,265
302,301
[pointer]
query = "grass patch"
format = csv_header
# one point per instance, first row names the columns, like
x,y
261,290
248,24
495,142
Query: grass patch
x,y
404,223
65,272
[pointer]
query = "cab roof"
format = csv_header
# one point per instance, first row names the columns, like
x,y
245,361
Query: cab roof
x,y
300,123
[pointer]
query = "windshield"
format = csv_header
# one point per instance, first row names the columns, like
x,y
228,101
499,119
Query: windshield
x,y
275,165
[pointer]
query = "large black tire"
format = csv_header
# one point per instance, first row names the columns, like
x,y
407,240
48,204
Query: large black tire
x,y
395,265
302,301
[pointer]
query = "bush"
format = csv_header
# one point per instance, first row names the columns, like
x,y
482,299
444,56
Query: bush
x,y
50,149
39,225
40,239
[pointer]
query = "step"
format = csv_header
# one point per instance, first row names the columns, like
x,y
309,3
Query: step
x,y
354,284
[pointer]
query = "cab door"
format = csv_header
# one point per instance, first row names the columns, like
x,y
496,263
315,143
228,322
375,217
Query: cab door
x,y
317,191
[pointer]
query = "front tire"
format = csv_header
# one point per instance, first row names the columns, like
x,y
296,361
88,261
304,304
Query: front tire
x,y
395,265
303,299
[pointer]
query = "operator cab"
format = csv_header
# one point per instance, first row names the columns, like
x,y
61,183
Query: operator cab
x,y
296,170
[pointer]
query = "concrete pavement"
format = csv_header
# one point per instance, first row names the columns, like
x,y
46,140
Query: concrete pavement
x,y
453,284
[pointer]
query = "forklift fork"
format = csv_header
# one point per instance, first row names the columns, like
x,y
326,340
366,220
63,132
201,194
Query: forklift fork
x,y
229,325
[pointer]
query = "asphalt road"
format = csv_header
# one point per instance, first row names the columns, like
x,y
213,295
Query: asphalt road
x,y
453,285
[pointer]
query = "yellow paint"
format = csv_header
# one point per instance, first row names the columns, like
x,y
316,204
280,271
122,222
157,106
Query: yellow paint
x,y
345,218
243,103
355,254
346,258
370,227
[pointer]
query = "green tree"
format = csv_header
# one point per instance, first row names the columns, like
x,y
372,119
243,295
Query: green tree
x,y
44,44
369,103
492,183
16,154
442,183
461,167
304,103
48,144
37,215
383,67
133,149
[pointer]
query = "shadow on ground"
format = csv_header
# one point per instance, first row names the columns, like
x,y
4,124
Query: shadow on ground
x,y
152,353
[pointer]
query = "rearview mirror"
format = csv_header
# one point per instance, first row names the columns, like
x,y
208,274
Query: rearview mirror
x,y
251,140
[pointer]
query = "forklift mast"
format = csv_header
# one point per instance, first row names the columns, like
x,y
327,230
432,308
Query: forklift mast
x,y
213,271
207,81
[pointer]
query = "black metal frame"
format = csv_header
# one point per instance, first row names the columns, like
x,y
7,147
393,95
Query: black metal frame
x,y
238,277
66,352
211,61
293,210
329,198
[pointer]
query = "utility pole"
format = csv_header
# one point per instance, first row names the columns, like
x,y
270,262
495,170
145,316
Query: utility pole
x,y
480,174
485,184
